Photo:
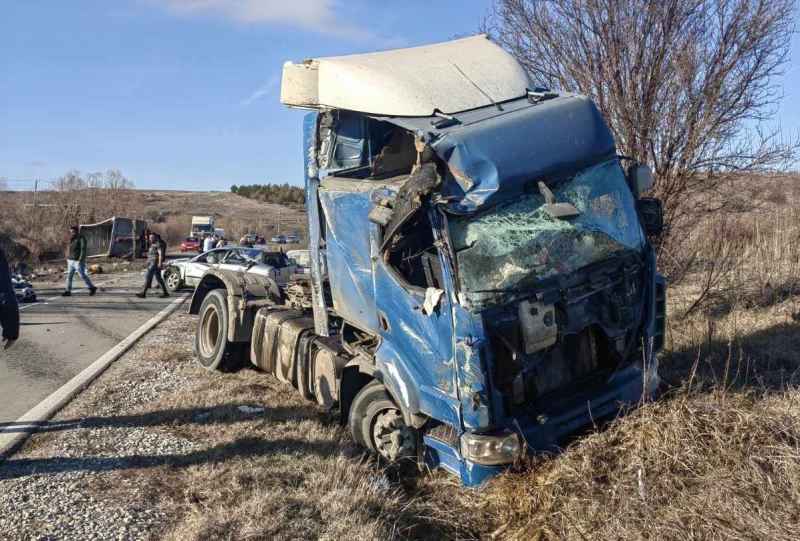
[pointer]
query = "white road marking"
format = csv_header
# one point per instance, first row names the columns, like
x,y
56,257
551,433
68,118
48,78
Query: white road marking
x,y
98,286
14,434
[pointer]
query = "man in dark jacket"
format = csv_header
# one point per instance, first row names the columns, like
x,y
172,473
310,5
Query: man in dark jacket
x,y
76,261
9,311
155,262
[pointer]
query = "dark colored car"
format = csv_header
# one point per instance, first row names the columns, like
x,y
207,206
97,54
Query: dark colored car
x,y
190,244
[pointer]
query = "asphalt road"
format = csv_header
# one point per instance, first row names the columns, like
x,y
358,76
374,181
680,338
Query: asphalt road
x,y
60,336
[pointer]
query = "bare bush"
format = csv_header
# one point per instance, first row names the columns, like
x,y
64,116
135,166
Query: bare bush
x,y
173,229
749,260
686,85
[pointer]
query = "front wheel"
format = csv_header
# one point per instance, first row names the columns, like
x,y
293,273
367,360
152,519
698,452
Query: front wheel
x,y
173,280
377,423
214,351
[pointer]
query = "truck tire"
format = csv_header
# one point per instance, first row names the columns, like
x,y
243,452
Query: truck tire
x,y
214,351
173,280
377,423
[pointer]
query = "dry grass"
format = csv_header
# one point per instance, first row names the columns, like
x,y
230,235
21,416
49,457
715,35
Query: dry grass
x,y
722,465
289,473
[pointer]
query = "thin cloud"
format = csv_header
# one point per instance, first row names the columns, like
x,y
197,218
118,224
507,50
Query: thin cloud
x,y
259,94
318,16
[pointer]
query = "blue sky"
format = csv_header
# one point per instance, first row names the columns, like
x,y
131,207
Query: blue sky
x,y
183,94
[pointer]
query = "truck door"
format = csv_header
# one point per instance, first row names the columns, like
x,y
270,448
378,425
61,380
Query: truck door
x,y
415,319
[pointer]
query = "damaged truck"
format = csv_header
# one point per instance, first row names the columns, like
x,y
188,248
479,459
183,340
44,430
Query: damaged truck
x,y
490,286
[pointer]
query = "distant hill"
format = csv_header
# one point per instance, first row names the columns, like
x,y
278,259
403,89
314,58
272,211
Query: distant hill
x,y
236,214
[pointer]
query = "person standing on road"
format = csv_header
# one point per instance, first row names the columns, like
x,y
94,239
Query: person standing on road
x,y
208,243
155,262
76,261
9,311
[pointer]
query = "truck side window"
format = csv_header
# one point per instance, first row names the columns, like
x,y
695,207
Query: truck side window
x,y
414,256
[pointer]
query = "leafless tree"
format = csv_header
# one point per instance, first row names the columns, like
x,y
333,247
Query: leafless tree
x,y
688,86
3,184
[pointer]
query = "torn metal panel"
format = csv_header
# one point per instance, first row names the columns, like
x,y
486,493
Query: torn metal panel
x,y
493,155
474,385
448,77
314,224
408,201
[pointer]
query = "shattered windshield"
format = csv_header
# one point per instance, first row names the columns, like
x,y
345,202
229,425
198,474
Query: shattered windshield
x,y
517,243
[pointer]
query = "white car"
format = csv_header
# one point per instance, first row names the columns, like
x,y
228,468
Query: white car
x,y
187,272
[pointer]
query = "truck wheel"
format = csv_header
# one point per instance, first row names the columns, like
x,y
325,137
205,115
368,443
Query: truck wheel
x,y
173,280
377,423
214,351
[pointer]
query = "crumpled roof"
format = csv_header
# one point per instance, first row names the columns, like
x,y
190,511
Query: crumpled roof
x,y
493,153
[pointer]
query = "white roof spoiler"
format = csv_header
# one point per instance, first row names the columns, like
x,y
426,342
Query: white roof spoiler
x,y
446,77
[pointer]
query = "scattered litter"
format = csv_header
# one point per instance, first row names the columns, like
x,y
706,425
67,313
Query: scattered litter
x,y
250,409
206,415
640,482
381,483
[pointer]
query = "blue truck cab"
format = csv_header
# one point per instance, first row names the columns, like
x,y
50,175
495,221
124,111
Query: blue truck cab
x,y
490,286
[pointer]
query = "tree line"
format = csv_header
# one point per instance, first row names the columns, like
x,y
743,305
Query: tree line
x,y
271,193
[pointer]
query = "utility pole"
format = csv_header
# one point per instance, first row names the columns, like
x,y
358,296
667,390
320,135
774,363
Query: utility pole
x,y
35,186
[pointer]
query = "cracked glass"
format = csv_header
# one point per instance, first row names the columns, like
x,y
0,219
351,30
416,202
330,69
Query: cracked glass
x,y
517,243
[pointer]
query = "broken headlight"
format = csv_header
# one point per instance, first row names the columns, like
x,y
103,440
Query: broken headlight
x,y
490,450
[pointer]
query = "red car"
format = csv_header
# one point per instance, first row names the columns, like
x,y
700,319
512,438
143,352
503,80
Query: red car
x,y
190,244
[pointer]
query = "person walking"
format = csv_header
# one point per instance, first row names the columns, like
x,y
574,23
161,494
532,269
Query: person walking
x,y
9,310
155,262
76,261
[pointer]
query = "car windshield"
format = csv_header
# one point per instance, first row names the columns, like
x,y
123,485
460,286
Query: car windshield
x,y
191,239
517,243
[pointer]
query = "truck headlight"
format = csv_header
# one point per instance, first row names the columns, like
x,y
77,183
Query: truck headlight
x,y
490,450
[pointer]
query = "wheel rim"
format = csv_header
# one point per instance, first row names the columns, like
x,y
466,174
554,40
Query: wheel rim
x,y
172,280
392,438
211,331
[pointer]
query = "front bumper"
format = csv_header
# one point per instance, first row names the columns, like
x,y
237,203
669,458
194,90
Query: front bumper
x,y
550,431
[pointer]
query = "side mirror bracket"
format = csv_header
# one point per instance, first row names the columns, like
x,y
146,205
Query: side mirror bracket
x,y
641,179
651,215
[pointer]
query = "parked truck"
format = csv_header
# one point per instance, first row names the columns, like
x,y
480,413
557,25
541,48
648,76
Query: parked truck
x,y
490,288
202,225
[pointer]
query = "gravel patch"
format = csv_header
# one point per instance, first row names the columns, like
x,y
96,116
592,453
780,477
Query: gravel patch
x,y
69,481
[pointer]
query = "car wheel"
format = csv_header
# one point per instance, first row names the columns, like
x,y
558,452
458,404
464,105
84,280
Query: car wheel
x,y
377,423
173,280
214,351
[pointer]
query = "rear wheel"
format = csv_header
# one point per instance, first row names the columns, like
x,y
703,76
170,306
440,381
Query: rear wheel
x,y
377,423
214,351
173,280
